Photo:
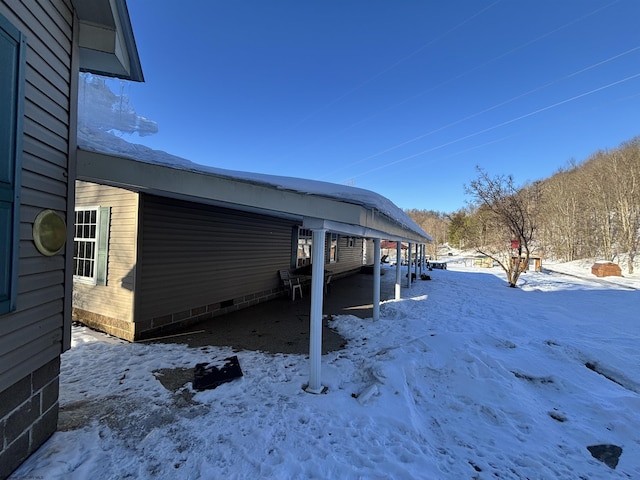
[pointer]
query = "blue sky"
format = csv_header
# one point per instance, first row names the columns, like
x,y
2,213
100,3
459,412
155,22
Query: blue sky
x,y
404,98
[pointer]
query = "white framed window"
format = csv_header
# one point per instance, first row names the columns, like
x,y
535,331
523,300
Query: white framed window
x,y
90,245
85,242
305,240
333,247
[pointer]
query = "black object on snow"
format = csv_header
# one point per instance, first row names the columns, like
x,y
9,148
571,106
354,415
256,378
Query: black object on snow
x,y
608,454
209,377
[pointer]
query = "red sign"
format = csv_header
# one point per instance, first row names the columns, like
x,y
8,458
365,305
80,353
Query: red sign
x,y
515,244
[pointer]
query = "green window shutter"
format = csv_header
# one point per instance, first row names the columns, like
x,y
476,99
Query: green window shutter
x,y
12,60
103,245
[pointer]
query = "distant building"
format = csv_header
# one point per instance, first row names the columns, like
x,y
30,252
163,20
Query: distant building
x,y
482,261
533,265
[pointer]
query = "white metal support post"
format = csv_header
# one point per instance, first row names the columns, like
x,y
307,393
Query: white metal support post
x,y
398,269
424,257
415,266
315,327
409,266
376,279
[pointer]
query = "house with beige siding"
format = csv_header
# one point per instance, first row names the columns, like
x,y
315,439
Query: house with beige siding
x,y
182,245
161,242
43,46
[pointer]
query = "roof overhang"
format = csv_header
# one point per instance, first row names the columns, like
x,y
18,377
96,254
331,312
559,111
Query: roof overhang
x,y
313,211
107,44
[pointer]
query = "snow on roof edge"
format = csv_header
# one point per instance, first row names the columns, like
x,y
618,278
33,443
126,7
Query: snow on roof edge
x,y
102,142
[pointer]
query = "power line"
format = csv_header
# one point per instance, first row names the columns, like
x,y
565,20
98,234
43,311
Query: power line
x,y
502,124
488,109
488,62
445,82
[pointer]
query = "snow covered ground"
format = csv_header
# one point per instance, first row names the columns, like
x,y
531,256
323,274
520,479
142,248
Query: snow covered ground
x,y
463,378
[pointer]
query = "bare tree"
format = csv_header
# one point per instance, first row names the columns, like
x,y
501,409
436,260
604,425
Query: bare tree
x,y
624,165
562,214
592,209
435,224
507,221
600,202
588,209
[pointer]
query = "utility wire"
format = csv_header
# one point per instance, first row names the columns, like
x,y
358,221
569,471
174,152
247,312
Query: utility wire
x,y
443,83
502,124
488,62
488,109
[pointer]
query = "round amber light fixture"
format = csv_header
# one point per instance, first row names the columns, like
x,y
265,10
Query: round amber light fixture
x,y
49,232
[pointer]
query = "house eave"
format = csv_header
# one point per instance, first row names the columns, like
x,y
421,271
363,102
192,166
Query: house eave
x,y
106,41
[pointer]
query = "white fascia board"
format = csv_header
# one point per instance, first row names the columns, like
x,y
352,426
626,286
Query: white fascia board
x,y
377,221
388,231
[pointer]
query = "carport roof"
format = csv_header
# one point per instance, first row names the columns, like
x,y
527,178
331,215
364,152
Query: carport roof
x,y
105,159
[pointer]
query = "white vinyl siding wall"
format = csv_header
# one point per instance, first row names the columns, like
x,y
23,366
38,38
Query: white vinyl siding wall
x,y
349,257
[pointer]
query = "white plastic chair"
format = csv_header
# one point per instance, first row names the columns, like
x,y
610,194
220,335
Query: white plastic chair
x,y
291,283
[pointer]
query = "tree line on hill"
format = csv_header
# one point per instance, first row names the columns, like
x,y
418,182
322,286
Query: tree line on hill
x,y
586,210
